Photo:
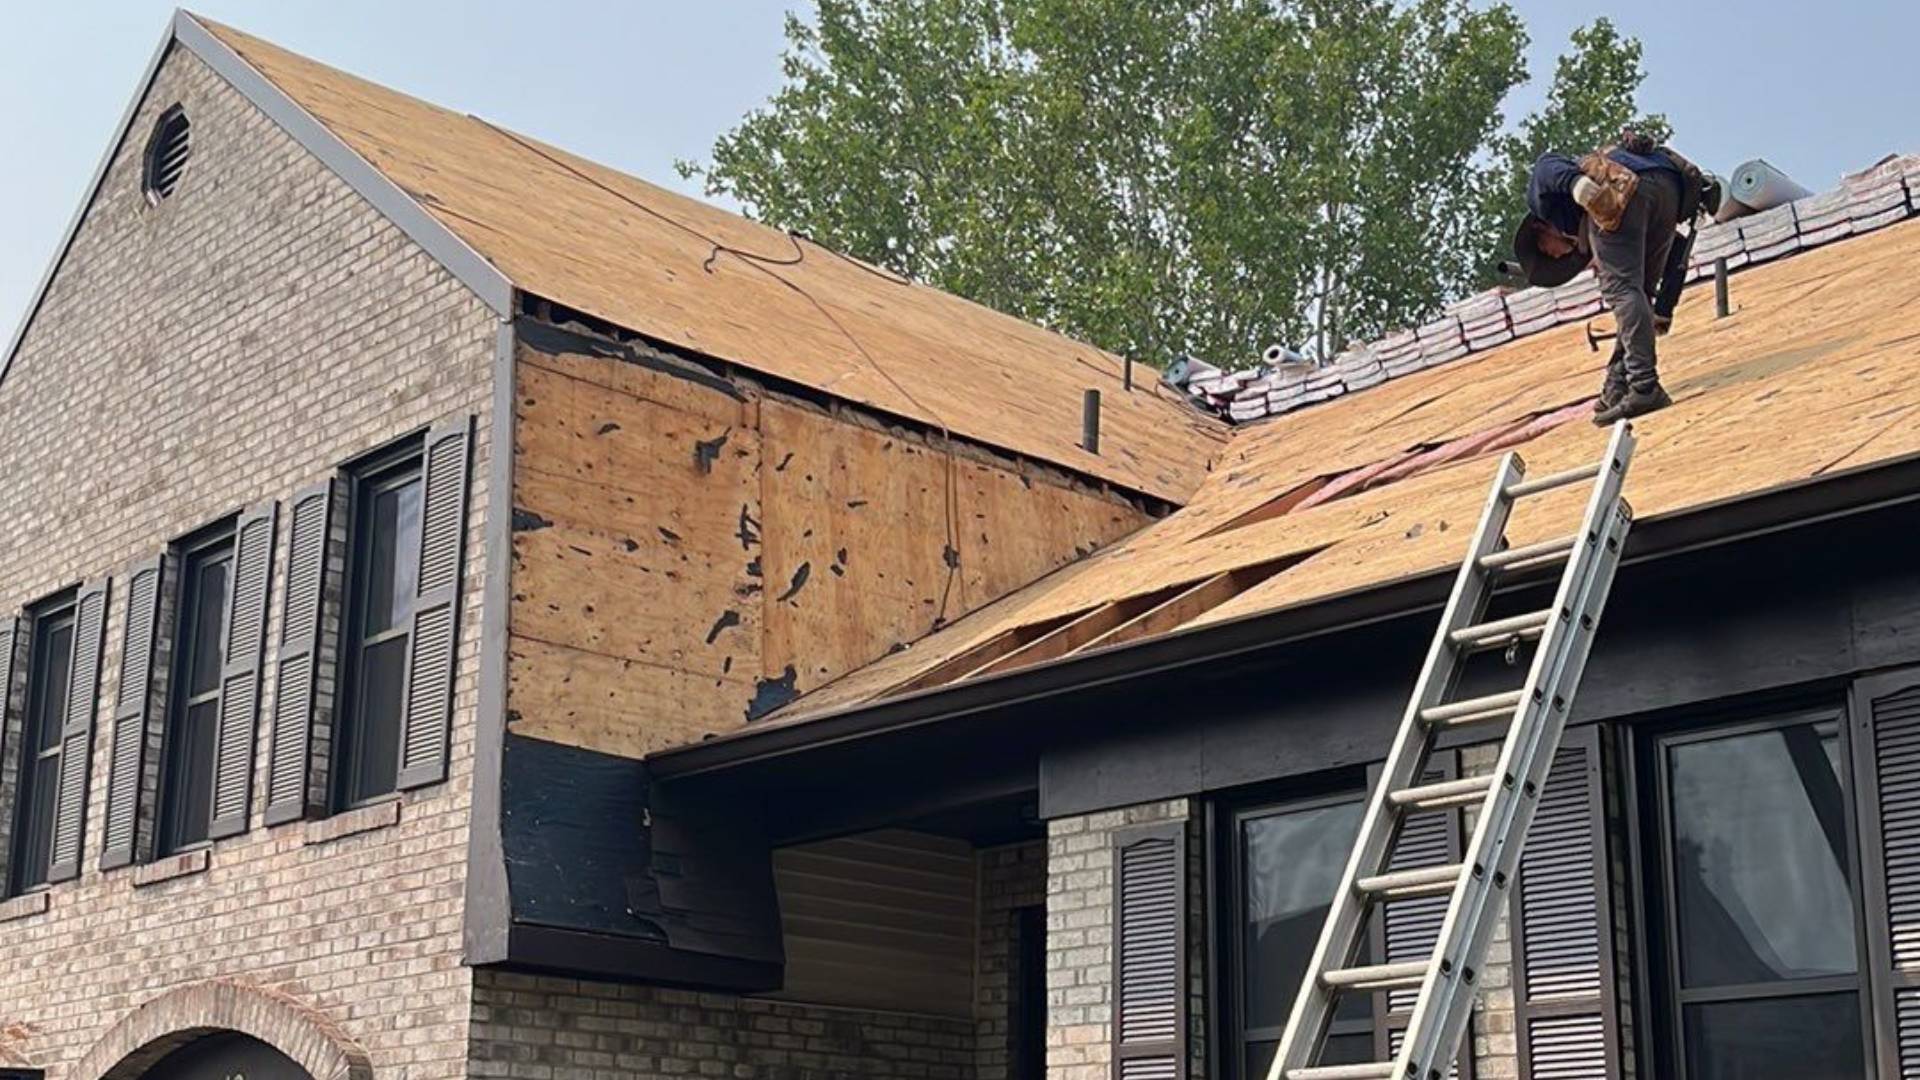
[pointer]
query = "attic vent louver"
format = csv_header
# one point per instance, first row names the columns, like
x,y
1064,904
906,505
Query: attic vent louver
x,y
167,153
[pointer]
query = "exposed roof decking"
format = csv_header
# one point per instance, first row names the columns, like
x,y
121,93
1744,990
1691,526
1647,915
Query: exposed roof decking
x,y
1816,373
644,258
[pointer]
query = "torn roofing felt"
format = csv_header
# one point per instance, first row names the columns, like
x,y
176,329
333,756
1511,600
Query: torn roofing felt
x,y
679,271
1816,373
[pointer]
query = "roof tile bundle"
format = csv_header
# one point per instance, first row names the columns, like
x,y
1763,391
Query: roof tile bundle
x,y
1875,197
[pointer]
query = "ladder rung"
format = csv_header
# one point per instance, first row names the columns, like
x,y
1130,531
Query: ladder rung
x,y
1407,884
1443,795
1528,555
1378,976
1378,1070
1553,480
1517,627
1473,710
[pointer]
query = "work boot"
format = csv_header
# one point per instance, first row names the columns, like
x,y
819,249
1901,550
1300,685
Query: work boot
x,y
1637,402
1610,395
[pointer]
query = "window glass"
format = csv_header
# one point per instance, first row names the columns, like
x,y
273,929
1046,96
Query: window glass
x,y
209,622
377,760
1292,866
189,777
186,778
1806,1038
393,572
1760,858
50,669
385,569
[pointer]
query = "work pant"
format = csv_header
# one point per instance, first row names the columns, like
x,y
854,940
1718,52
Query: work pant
x,y
1628,262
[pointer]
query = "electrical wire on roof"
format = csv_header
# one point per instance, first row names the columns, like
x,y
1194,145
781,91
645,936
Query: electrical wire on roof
x,y
950,557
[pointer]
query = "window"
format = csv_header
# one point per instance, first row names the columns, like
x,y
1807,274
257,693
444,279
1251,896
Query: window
x,y
49,679
384,564
1757,937
1286,863
188,747
167,151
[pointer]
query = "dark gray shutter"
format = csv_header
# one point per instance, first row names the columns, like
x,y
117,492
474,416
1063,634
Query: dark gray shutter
x,y
132,712
296,681
1405,930
1885,718
76,734
1566,1005
1149,952
240,669
436,613
12,641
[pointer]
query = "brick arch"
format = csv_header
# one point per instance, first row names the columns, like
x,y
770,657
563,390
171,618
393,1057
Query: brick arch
x,y
179,1017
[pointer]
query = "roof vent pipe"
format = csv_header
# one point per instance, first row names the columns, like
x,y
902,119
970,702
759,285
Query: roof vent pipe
x,y
1721,306
1090,422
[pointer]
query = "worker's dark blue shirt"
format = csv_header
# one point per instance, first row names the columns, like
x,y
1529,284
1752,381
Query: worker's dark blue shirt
x,y
1550,188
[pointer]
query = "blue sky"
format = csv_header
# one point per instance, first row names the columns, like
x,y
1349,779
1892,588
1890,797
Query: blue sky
x,y
1818,89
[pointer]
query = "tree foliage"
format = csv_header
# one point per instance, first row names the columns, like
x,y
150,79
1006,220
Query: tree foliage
x,y
1166,176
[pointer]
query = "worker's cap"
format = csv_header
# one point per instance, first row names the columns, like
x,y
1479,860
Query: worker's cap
x,y
1541,269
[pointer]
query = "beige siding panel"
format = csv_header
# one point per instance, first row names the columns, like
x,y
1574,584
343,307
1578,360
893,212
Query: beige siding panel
x,y
886,920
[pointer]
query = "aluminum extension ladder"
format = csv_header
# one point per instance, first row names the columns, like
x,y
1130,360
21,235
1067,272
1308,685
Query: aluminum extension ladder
x,y
1506,798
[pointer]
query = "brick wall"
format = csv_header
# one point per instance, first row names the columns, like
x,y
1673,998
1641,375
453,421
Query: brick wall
x,y
1080,938
228,346
1495,1053
1011,877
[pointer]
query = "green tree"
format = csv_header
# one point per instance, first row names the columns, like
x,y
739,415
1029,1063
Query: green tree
x,y
1158,176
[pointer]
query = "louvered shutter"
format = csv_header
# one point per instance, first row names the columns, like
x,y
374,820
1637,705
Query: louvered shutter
x,y
240,669
297,669
430,648
1885,718
1405,930
12,639
76,733
1149,953
1565,1001
132,713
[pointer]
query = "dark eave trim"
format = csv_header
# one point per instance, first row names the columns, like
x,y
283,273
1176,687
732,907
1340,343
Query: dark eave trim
x,y
386,197
577,954
1726,521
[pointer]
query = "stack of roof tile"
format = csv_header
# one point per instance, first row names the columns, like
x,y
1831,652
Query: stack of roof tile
x,y
1441,340
1484,319
1879,196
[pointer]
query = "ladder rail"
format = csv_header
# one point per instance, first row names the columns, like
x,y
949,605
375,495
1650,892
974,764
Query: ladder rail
x,y
1445,1004
1312,1011
1506,798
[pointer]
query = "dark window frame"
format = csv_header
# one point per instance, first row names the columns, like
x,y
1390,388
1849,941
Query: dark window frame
x,y
1227,814
1663,998
389,468
218,541
61,606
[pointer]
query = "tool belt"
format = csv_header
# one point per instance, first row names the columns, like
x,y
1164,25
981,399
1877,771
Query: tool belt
x,y
1617,184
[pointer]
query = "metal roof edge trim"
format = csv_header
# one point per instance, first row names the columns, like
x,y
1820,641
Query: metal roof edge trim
x,y
1807,502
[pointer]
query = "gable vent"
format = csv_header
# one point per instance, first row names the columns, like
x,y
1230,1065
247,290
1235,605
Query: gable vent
x,y
167,153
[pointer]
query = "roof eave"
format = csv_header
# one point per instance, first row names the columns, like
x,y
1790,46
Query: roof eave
x,y
1726,521
403,210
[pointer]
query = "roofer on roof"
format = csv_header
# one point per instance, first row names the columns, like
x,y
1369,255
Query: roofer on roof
x,y
1618,208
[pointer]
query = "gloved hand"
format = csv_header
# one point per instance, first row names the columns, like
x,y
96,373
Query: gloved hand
x,y
1605,190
